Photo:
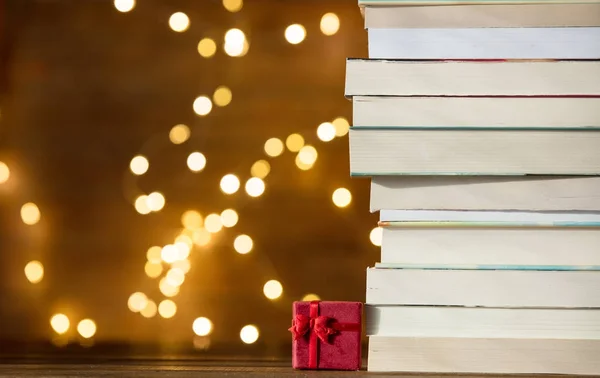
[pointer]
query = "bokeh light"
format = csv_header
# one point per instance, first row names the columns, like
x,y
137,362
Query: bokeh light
x,y
141,205
191,219
311,297
222,96
260,169
153,254
183,265
330,24
175,277
236,44
139,165
230,184
60,323
137,301
308,155
255,187
243,244
169,253
301,165
249,334
273,289
202,326
150,310
179,134
167,308
229,218
341,125
201,237
86,328
212,223
294,142
34,271
153,269
274,147
376,235
207,47
4,172
326,131
295,34
196,161
185,239
183,250
155,201
233,5
202,105
167,289
179,22
124,5
341,197
30,213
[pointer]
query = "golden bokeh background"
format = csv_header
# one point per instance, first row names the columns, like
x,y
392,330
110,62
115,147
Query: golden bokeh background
x,y
174,174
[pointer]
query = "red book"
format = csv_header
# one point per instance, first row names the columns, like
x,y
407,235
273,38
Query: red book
x,y
326,335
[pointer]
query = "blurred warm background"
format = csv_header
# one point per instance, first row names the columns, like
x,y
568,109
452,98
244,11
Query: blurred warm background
x,y
174,173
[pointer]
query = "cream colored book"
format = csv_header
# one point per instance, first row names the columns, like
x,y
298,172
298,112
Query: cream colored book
x,y
444,151
484,355
373,77
483,16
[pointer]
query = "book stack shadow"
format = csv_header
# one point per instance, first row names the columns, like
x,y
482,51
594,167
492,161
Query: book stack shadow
x,y
478,124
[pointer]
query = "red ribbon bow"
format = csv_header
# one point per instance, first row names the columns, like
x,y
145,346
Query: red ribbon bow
x,y
318,327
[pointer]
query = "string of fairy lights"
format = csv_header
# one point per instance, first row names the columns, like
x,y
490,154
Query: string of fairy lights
x,y
170,263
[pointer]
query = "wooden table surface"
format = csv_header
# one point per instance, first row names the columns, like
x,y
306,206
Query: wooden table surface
x,y
181,369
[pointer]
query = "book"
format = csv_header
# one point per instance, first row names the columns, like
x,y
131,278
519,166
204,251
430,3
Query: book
x,y
483,16
525,112
436,321
469,243
517,193
484,355
493,218
483,288
485,43
378,77
445,151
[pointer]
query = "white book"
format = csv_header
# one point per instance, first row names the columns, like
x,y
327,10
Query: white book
x,y
484,355
465,322
373,77
483,288
513,218
501,112
413,243
482,16
485,43
443,151
527,193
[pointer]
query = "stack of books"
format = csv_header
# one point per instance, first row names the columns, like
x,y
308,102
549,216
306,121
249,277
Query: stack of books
x,y
478,123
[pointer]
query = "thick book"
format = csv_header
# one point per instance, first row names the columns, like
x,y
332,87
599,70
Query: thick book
x,y
379,77
483,16
485,43
445,151
524,193
515,112
484,355
477,244
492,218
438,321
511,288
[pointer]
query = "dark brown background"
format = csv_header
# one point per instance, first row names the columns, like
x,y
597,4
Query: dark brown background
x,y
85,88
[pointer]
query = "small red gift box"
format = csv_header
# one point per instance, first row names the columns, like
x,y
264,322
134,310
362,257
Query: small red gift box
x,y
326,335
